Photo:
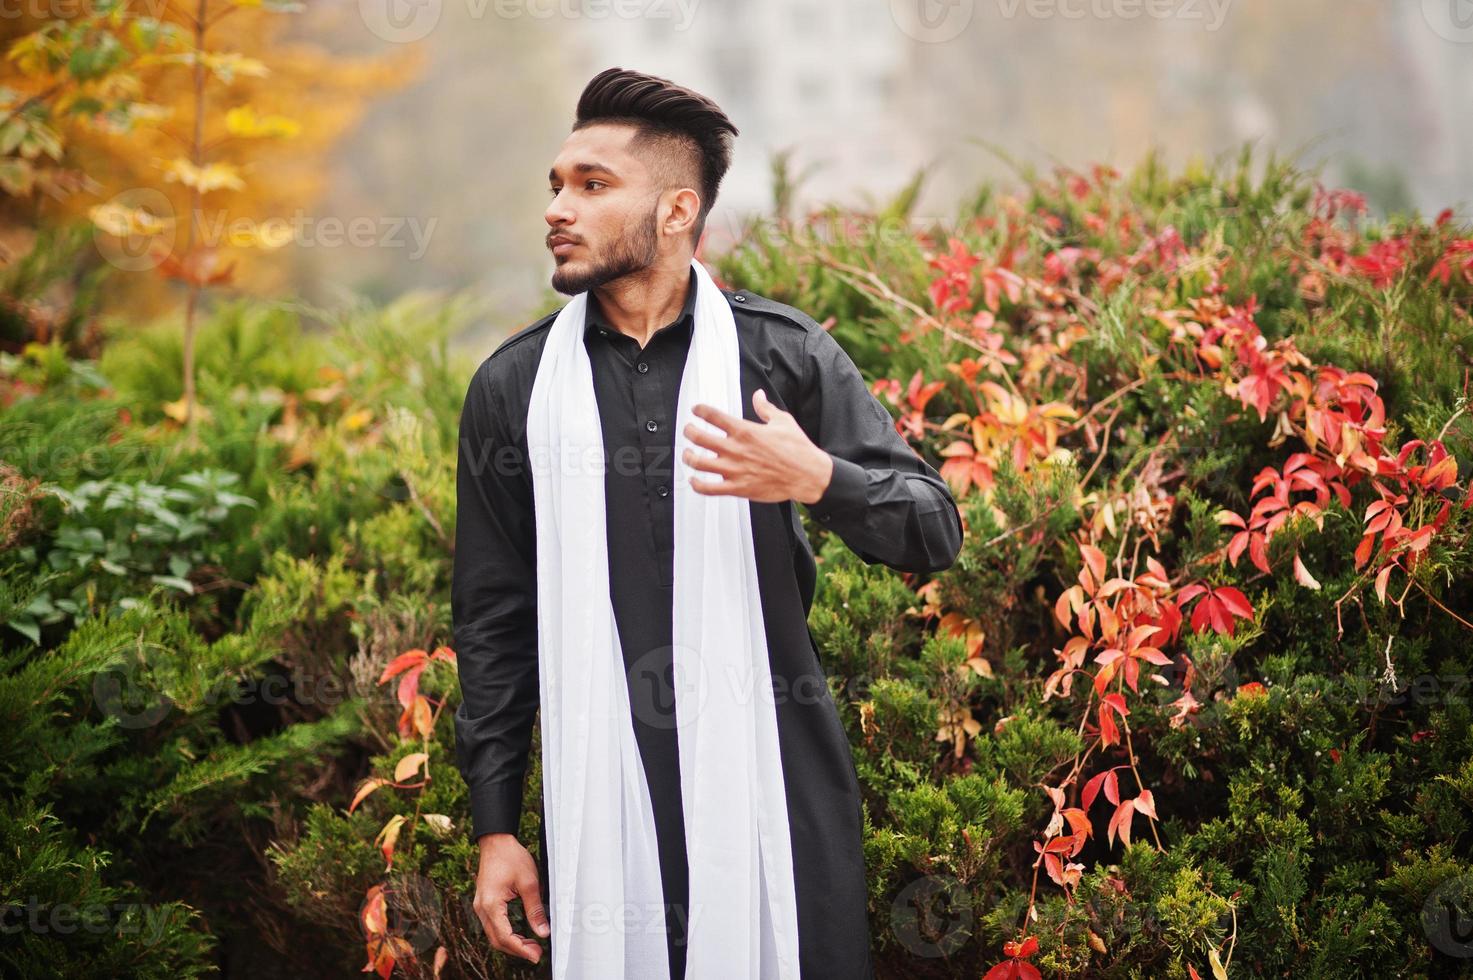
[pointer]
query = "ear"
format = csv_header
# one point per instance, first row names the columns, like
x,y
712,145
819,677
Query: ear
x,y
685,206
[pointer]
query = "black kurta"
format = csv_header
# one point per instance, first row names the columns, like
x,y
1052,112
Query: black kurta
x,y
884,502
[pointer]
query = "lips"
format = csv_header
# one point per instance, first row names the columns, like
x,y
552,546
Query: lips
x,y
561,246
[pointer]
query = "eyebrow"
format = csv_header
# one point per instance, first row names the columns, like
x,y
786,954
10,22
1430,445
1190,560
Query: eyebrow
x,y
583,168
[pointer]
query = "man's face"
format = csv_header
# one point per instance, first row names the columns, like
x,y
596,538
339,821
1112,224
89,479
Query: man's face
x,y
604,213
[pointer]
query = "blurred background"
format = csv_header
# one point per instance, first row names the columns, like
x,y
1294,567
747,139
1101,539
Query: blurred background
x,y
426,126
863,93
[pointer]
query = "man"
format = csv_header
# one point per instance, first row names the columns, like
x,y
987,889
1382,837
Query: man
x,y
631,189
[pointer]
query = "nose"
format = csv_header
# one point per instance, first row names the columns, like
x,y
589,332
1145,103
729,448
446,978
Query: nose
x,y
558,213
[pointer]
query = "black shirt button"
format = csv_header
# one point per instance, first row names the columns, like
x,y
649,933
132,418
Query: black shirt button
x,y
642,367
662,490
652,425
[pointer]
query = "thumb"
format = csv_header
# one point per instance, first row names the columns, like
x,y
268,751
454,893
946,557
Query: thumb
x,y
765,409
536,912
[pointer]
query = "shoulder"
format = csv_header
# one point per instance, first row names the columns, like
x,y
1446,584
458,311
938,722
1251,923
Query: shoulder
x,y
515,353
517,344
771,310
505,375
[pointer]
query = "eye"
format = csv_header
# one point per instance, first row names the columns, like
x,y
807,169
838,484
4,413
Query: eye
x,y
590,184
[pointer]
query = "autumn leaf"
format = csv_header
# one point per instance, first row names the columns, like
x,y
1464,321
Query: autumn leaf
x,y
409,765
388,837
210,177
243,121
368,786
1302,576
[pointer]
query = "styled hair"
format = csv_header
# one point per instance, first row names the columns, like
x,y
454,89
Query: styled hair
x,y
684,133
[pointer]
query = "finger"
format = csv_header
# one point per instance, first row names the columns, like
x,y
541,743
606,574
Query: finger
x,y
713,487
705,437
497,925
765,409
709,464
531,892
729,423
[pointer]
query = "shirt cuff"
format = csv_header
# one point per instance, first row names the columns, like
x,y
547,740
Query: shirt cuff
x,y
496,808
848,488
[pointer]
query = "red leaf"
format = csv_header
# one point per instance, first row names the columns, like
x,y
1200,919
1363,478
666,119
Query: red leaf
x,y
401,663
1023,949
1235,601
1092,788
1094,559
1258,551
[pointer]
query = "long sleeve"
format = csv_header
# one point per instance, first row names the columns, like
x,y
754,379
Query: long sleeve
x,y
494,611
884,501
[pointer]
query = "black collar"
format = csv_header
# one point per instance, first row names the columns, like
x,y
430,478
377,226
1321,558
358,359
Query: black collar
x,y
594,320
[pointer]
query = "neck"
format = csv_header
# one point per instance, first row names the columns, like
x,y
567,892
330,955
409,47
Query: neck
x,y
638,305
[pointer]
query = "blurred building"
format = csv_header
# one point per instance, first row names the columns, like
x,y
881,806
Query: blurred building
x,y
865,92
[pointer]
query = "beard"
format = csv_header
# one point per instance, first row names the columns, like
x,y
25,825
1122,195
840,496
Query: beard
x,y
632,252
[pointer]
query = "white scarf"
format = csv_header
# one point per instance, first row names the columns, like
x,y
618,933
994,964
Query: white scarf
x,y
607,906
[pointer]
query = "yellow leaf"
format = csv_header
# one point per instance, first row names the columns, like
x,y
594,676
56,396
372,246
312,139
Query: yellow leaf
x,y
954,420
211,177
439,823
115,219
1218,970
1302,576
409,765
176,411
267,235
424,721
354,421
389,836
243,121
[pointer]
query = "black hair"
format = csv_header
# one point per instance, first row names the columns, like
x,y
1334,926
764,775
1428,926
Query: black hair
x,y
684,129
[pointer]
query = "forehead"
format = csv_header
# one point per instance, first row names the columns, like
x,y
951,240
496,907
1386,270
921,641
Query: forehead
x,y
601,146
